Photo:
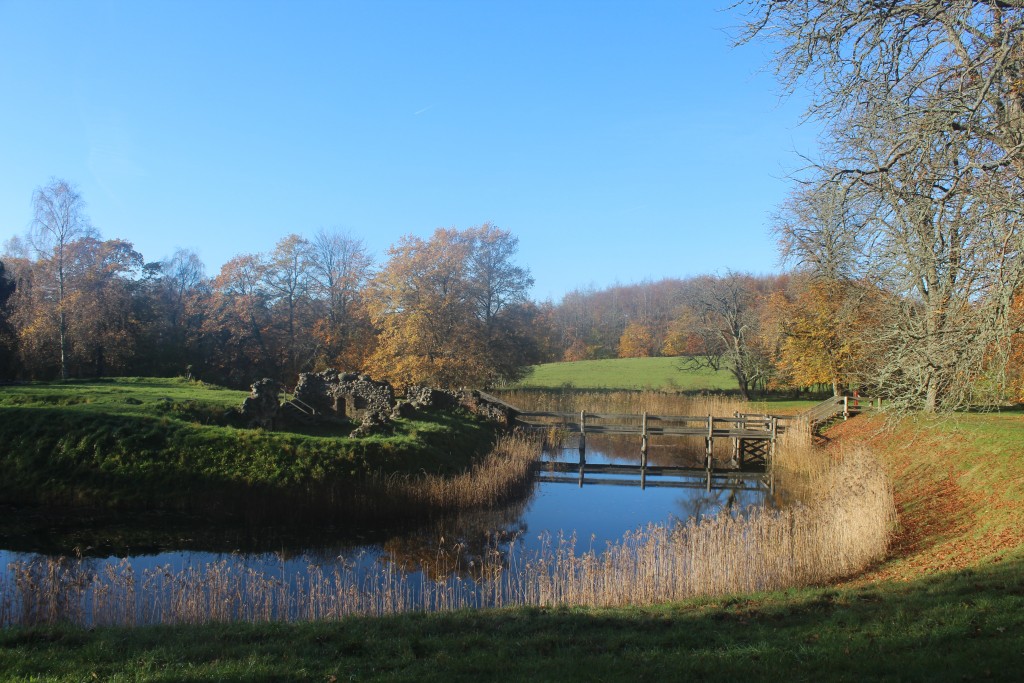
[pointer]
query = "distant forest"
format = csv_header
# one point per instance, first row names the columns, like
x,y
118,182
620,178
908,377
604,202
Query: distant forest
x,y
450,310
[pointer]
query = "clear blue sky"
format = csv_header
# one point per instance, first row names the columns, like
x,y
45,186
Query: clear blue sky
x,y
620,141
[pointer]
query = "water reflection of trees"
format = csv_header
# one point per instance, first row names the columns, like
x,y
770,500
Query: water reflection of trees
x,y
470,544
104,533
710,503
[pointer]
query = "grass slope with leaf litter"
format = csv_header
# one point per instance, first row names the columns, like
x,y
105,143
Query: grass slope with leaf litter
x,y
170,442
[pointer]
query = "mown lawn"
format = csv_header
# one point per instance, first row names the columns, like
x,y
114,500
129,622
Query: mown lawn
x,y
627,373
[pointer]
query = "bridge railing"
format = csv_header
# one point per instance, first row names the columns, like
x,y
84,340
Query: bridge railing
x,y
834,406
744,426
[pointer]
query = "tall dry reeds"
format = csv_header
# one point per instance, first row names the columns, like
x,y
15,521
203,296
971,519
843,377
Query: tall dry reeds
x,y
504,474
622,402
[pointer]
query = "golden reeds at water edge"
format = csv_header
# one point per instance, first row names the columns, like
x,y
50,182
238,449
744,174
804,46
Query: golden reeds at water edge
x,y
625,402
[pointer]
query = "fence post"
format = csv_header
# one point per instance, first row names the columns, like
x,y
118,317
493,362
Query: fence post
x,y
709,448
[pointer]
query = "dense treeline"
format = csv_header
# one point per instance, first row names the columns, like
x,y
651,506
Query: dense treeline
x,y
450,310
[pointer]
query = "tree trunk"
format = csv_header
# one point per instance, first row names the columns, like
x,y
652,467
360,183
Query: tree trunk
x,y
63,345
931,399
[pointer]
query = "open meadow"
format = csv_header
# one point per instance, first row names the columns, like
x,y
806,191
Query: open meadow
x,y
627,373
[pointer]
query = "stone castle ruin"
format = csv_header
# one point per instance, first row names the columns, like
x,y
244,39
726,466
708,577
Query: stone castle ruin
x,y
345,397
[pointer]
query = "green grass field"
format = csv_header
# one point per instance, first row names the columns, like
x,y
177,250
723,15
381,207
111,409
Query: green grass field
x,y
627,373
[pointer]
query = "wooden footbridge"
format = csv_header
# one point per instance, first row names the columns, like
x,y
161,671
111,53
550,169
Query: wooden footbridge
x,y
752,439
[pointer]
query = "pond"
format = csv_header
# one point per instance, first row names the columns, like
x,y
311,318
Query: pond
x,y
562,514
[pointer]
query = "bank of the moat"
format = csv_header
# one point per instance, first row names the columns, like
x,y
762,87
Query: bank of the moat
x,y
171,444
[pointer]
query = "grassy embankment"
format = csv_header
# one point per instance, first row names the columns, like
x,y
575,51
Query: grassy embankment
x,y
948,605
169,443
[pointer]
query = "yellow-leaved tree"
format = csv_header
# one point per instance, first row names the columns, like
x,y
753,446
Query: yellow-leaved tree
x,y
636,341
819,327
451,311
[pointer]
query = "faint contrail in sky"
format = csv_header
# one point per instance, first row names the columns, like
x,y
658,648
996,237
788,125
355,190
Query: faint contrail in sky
x,y
417,113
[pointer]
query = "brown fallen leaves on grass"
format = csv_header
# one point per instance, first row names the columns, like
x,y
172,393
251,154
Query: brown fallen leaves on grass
x,y
943,524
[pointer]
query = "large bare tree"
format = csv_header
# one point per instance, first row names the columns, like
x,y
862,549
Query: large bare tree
x,y
962,60
286,277
723,315
339,270
923,102
937,231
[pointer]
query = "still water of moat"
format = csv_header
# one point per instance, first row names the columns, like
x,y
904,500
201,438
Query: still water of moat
x,y
593,512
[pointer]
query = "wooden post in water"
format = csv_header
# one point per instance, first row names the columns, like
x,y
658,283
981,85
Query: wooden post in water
x,y
583,445
643,446
737,444
583,438
709,447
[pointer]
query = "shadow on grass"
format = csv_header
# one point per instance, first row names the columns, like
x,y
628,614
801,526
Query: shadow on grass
x,y
962,626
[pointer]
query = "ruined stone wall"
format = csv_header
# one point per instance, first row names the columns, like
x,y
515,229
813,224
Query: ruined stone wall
x,y
262,407
327,395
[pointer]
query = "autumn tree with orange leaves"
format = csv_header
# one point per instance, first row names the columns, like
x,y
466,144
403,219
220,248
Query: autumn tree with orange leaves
x,y
819,329
447,310
636,341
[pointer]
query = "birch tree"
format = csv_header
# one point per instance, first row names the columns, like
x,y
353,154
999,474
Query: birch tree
x,y
58,220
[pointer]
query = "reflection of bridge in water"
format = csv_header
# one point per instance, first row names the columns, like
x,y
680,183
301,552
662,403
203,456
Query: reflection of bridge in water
x,y
751,438
649,477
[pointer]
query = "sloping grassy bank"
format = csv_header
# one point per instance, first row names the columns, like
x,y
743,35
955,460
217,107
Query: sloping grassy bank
x,y
959,488
168,443
949,605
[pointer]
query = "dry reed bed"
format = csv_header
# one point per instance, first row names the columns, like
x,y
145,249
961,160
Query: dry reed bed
x,y
839,528
632,402
506,473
